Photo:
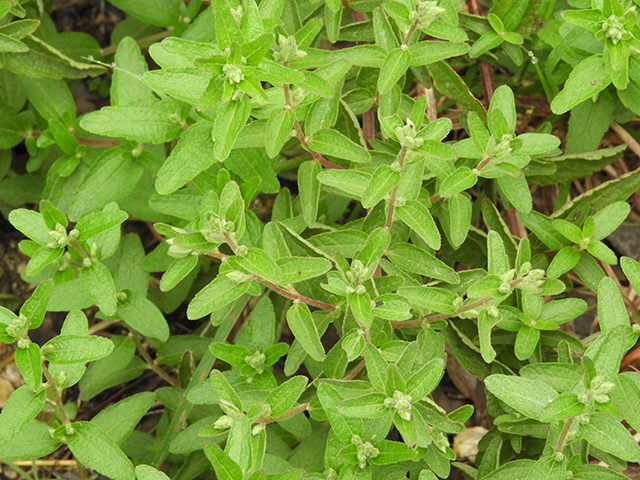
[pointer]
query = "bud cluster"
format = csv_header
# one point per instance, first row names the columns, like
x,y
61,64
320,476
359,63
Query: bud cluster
x,y
407,136
60,238
287,50
401,403
598,391
426,12
365,451
256,361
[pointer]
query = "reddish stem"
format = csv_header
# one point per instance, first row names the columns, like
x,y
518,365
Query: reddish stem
x,y
486,72
368,127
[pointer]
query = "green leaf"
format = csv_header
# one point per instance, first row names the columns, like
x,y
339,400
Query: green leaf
x,y
224,392
143,316
229,121
192,155
67,349
384,178
527,396
126,84
612,312
32,442
449,83
610,218
456,219
331,142
487,41
429,298
309,188
412,258
304,329
279,126
22,407
36,305
95,223
113,176
217,294
98,283
350,183
365,406
179,269
498,263
360,305
416,215
299,269
631,269
148,121
145,472
286,395
564,406
225,468
427,52
376,366
459,180
486,323
516,189
232,354
609,435
258,262
564,260
31,224
606,352
392,452
394,67
624,395
587,79
425,380
29,362
120,419
588,123
160,13
93,448
526,342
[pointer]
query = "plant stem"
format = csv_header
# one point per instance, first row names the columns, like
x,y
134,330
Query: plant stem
x,y
141,41
626,137
290,413
486,71
356,370
394,193
151,362
89,142
302,137
563,434
410,33
285,293
295,295
80,250
368,126
57,399
444,316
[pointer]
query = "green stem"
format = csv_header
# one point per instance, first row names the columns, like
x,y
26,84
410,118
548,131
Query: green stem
x,y
562,439
394,193
410,33
57,399
80,250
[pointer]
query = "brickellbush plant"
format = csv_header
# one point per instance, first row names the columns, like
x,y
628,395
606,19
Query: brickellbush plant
x,y
402,233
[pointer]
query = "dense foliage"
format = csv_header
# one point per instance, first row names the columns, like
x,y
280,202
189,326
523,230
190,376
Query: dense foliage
x,y
330,196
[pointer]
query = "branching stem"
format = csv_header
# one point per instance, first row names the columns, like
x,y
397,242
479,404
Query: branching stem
x,y
151,362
